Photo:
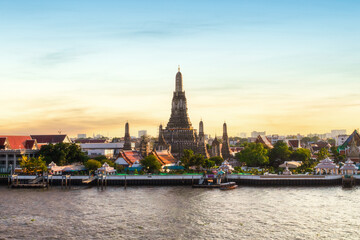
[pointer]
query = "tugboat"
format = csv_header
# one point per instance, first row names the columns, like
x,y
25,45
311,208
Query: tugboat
x,y
228,186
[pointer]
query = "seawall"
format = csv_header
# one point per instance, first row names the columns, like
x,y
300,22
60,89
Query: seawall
x,y
251,180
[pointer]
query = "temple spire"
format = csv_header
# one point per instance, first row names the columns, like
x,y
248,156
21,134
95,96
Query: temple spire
x,y
178,81
127,144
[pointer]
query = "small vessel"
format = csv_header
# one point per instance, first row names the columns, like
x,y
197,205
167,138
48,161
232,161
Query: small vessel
x,y
228,186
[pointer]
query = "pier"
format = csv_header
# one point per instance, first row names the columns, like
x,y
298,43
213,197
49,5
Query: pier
x,y
169,180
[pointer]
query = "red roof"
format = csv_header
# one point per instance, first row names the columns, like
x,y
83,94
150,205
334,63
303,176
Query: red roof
x,y
164,157
294,143
53,139
130,156
265,141
17,142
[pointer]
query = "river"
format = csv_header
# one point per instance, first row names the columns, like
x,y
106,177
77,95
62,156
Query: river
x,y
180,213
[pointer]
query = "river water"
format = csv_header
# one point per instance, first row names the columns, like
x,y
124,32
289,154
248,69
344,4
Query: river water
x,y
180,213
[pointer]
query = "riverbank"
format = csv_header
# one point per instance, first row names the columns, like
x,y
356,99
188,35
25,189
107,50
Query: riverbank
x,y
158,180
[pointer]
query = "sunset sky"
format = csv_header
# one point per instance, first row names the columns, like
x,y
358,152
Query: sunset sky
x,y
87,66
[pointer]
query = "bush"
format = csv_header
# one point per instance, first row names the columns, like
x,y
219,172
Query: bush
x,y
92,164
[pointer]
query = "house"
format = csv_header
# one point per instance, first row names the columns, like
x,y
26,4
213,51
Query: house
x,y
293,143
127,158
51,139
102,149
12,148
315,147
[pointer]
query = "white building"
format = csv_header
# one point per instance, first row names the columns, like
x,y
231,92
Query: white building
x,y
335,133
12,148
102,149
142,133
81,135
340,139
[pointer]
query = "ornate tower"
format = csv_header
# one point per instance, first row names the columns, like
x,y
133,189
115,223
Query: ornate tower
x,y
216,148
144,146
179,132
225,148
127,144
179,116
161,143
202,145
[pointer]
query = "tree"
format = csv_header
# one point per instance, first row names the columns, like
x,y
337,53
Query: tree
x,y
217,160
151,164
279,154
100,158
62,153
301,154
108,161
197,160
254,155
337,157
92,164
186,158
208,163
322,154
33,165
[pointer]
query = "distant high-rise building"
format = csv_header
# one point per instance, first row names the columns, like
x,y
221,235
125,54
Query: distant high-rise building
x,y
337,132
81,135
142,133
242,134
255,134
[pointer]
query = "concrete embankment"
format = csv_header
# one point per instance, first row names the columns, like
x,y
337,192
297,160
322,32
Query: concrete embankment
x,y
256,180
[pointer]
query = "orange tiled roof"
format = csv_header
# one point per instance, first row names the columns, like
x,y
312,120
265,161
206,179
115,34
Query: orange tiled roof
x,y
17,142
130,156
164,157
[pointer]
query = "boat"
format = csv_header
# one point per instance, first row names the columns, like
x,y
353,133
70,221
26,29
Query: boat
x,y
228,186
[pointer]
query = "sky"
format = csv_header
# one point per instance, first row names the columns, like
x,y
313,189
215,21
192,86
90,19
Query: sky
x,y
89,66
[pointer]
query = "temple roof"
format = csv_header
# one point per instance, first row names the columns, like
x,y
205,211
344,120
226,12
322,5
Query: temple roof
x,y
165,157
19,142
265,141
354,135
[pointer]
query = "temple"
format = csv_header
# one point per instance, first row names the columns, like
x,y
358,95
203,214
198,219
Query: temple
x,y
179,133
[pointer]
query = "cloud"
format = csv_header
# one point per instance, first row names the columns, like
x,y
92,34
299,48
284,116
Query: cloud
x,y
60,57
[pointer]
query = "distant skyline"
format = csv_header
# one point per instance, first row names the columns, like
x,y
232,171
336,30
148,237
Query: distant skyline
x,y
283,67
